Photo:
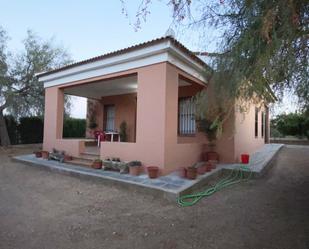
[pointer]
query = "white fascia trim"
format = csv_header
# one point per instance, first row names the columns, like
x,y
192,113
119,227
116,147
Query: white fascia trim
x,y
162,52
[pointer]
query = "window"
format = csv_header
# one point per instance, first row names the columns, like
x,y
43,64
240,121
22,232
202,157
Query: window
x,y
256,122
262,123
110,117
186,118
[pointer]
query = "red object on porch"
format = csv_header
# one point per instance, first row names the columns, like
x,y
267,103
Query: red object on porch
x,y
245,158
99,136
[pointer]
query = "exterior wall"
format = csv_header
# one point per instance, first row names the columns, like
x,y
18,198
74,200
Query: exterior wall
x,y
245,140
125,110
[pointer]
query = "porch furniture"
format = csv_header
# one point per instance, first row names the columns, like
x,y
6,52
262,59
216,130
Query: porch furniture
x,y
112,133
99,136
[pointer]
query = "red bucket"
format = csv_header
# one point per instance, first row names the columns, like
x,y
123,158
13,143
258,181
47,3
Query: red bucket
x,y
245,158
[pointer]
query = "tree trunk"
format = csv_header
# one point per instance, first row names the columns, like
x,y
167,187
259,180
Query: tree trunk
x,y
4,135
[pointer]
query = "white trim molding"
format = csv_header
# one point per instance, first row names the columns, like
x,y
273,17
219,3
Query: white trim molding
x,y
164,51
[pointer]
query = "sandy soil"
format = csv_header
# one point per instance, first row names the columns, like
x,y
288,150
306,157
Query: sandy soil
x,y
42,209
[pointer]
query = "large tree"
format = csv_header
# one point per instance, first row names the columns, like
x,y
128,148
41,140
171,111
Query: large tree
x,y
263,46
20,92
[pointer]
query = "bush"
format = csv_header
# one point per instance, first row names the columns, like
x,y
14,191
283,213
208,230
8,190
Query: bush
x,y
74,128
11,125
30,130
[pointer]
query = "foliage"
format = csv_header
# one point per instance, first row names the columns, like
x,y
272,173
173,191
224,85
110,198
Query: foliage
x,y
74,128
12,128
21,94
30,130
263,47
292,124
123,131
135,163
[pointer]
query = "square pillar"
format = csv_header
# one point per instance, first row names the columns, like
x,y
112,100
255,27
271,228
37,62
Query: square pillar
x,y
53,118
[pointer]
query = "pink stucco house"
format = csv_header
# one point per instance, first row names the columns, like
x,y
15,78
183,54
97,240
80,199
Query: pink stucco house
x,y
149,86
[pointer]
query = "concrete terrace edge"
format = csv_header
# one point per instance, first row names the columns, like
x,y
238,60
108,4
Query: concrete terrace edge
x,y
170,195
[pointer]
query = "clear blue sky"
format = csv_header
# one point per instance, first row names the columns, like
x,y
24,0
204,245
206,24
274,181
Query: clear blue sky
x,y
85,28
89,28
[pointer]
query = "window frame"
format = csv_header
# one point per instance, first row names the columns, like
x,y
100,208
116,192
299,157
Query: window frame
x,y
179,132
256,122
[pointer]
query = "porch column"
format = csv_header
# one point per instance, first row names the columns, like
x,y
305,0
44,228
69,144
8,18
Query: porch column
x,y
150,120
53,118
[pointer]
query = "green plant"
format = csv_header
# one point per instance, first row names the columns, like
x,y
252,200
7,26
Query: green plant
x,y
134,164
74,128
123,131
30,130
97,160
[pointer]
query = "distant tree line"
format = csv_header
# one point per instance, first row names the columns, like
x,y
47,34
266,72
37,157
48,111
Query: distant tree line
x,y
291,124
29,130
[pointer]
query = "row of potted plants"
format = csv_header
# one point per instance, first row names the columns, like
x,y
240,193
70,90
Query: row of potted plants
x,y
134,168
191,172
45,155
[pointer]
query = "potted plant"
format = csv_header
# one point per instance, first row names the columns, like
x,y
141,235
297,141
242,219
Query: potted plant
x,y
38,154
191,172
135,168
97,164
208,167
153,172
45,154
123,132
67,158
245,158
201,169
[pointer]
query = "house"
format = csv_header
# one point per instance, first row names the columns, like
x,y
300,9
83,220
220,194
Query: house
x,y
149,86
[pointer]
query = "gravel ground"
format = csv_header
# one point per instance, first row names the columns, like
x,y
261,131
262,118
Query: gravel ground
x,y
42,209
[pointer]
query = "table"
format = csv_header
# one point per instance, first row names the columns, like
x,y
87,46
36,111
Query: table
x,y
112,133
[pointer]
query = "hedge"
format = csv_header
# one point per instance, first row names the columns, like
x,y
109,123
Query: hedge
x,y
74,128
30,130
11,126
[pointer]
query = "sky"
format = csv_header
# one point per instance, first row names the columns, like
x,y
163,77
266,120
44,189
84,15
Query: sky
x,y
90,28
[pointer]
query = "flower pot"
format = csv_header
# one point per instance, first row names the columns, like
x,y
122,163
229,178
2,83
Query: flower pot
x,y
68,158
208,167
38,154
183,172
201,169
212,155
96,165
191,173
213,163
245,158
45,154
135,170
153,172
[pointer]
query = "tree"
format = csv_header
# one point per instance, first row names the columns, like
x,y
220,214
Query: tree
x,y
20,92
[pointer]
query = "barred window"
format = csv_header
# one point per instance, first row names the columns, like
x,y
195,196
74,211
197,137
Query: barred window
x,y
256,121
262,123
186,117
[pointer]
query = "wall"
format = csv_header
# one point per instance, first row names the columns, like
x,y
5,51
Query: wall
x,y
245,140
125,110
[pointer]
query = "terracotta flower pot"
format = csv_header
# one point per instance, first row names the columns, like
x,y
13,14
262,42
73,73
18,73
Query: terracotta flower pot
x,y
96,165
191,173
213,163
38,154
208,167
183,172
245,158
45,154
153,172
135,170
201,169
212,155
68,158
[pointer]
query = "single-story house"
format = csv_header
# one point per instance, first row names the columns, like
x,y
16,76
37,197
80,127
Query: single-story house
x,y
149,86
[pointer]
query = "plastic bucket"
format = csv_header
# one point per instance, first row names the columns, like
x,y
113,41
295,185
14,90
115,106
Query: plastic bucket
x,y
245,158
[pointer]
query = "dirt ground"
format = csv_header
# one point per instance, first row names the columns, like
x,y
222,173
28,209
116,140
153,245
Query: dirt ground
x,y
42,209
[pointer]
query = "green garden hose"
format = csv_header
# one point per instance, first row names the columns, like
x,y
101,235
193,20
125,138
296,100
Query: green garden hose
x,y
240,174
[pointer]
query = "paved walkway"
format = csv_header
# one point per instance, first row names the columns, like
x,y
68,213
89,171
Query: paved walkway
x,y
170,185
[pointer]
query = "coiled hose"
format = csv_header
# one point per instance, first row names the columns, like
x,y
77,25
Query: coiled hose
x,y
237,175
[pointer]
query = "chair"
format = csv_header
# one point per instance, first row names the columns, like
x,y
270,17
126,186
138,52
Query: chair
x,y
99,136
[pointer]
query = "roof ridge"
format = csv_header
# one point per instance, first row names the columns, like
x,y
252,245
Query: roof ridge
x,y
120,51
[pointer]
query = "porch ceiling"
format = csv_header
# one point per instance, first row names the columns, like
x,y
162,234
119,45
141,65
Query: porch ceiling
x,y
111,87
99,89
